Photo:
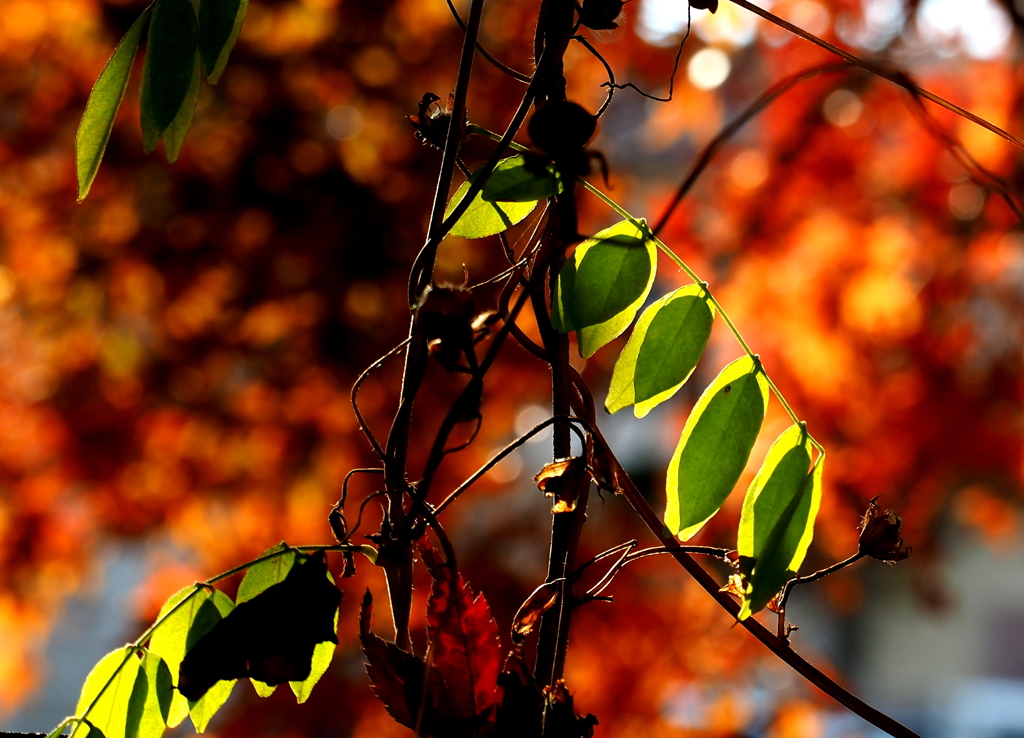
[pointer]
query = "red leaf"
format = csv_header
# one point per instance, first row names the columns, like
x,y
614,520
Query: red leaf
x,y
396,676
467,647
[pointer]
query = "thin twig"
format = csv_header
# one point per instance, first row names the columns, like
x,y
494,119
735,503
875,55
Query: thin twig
x,y
518,76
730,130
896,77
355,391
501,455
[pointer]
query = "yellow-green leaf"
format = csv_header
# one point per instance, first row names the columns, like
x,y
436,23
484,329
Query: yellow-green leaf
x,y
170,639
665,346
777,522
512,181
714,446
484,218
151,699
106,694
101,109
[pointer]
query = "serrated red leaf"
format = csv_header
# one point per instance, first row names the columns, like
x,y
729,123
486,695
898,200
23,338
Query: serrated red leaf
x,y
467,649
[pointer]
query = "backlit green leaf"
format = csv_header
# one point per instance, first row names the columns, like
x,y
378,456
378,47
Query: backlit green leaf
x,y
777,522
211,612
484,218
151,699
715,446
106,705
511,181
259,577
665,346
104,101
168,77
603,284
170,639
220,22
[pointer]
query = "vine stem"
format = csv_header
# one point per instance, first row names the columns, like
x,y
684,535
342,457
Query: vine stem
x,y
776,645
896,77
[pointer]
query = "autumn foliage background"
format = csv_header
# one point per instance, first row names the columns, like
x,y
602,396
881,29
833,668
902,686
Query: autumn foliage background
x,y
176,353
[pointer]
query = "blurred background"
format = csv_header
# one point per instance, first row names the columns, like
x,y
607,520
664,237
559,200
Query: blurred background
x,y
176,353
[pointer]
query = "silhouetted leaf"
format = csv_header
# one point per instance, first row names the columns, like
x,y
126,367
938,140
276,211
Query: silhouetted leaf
x,y
604,283
104,101
109,714
484,218
220,22
270,638
714,446
258,578
771,524
512,181
169,77
662,351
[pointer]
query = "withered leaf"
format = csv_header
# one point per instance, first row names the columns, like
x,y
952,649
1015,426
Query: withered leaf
x,y
269,638
529,614
564,480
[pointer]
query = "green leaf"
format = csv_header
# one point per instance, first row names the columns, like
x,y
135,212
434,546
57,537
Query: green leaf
x,y
151,699
777,522
259,577
511,181
170,639
220,22
104,101
211,612
168,77
715,446
662,351
109,714
602,286
484,218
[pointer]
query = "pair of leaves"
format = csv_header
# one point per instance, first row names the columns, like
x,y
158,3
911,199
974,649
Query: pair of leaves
x,y
602,285
781,504
126,695
777,522
185,37
270,638
511,193
284,629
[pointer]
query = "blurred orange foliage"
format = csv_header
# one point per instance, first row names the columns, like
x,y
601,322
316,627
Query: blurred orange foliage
x,y
176,353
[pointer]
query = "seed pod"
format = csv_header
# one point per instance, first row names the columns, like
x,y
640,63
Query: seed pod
x,y
561,129
880,534
600,15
